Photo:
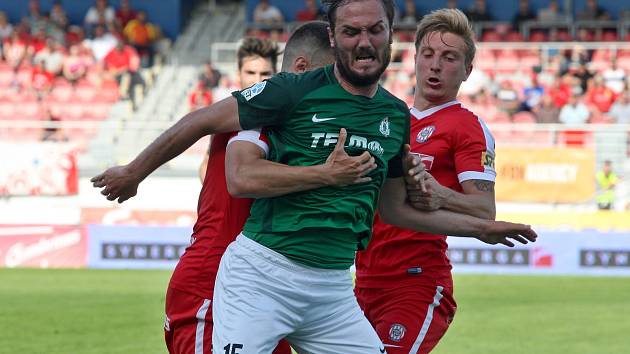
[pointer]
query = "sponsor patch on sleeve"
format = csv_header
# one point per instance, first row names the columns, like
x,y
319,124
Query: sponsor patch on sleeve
x,y
254,90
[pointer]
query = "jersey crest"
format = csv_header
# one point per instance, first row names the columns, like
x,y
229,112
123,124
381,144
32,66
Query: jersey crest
x,y
397,332
425,133
384,127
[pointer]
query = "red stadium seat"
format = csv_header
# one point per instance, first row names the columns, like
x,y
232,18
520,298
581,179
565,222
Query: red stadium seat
x,y
538,36
7,111
85,93
524,117
490,36
62,93
29,111
609,36
514,36
564,36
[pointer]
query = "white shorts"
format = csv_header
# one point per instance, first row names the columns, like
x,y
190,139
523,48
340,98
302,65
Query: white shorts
x,y
260,296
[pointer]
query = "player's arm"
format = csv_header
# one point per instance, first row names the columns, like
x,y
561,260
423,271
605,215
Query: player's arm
x,y
395,210
121,182
249,174
476,200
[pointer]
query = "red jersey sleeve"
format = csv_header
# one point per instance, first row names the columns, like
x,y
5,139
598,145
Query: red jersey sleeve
x,y
254,136
474,151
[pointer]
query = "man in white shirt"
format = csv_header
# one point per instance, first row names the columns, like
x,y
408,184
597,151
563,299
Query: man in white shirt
x,y
620,110
574,112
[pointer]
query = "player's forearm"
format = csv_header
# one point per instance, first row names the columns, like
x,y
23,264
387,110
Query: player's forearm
x,y
220,117
480,206
266,179
441,222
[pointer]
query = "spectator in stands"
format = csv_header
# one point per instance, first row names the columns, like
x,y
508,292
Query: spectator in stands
x,y
41,80
550,13
451,4
36,21
102,43
142,36
546,112
125,13
615,77
606,183
15,51
523,14
98,13
74,65
599,96
583,76
310,12
6,29
532,95
592,11
122,63
265,13
411,15
507,97
210,76
58,15
620,110
200,97
479,12
52,132
574,112
53,57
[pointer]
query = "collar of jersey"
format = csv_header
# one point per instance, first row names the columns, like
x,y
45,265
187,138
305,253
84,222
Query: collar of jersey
x,y
427,112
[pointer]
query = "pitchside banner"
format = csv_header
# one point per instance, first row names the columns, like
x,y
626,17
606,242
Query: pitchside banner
x,y
554,253
42,246
545,175
38,169
136,247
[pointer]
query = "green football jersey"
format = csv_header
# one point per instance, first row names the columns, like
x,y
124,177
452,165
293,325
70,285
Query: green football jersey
x,y
302,116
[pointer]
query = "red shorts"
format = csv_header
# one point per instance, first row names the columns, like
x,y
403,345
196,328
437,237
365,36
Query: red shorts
x,y
411,319
188,325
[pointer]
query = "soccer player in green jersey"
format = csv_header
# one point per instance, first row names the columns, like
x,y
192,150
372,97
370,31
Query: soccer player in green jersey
x,y
287,275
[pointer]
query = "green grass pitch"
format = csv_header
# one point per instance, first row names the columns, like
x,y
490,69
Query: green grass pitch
x,y
106,311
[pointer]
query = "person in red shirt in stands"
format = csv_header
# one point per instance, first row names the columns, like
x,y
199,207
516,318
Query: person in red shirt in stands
x,y
122,63
200,97
599,96
310,12
41,79
125,13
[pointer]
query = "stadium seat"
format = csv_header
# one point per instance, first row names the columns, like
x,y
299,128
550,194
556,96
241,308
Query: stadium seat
x,y
609,36
490,36
85,93
29,110
564,36
524,117
7,111
62,93
538,36
514,36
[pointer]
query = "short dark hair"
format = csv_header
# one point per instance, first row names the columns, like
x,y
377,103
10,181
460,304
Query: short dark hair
x,y
258,47
332,5
310,40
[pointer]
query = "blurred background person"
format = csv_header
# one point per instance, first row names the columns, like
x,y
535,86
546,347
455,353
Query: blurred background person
x,y
606,182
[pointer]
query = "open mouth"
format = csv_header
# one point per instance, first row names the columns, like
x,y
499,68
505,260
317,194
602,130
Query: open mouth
x,y
364,58
433,81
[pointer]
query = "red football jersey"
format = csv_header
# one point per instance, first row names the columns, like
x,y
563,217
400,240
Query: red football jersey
x,y
220,218
455,146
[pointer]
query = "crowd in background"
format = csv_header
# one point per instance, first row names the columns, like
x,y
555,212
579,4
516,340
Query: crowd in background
x,y
44,49
571,86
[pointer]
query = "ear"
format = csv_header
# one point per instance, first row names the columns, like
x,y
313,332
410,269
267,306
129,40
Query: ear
x,y
300,65
468,71
331,37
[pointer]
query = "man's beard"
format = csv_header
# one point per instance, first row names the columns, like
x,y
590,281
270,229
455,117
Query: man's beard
x,y
358,79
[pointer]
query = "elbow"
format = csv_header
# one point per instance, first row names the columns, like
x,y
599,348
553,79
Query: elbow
x,y
238,187
387,215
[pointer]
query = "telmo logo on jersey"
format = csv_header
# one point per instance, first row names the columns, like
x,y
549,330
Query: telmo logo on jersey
x,y
355,141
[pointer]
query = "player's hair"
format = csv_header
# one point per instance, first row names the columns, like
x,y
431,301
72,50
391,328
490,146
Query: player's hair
x,y
257,47
333,5
311,41
448,21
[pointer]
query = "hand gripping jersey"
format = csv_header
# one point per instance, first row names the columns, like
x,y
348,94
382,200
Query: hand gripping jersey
x,y
455,146
302,115
220,218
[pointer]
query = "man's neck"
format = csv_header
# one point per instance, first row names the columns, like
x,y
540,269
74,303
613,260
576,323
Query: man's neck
x,y
422,104
367,91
